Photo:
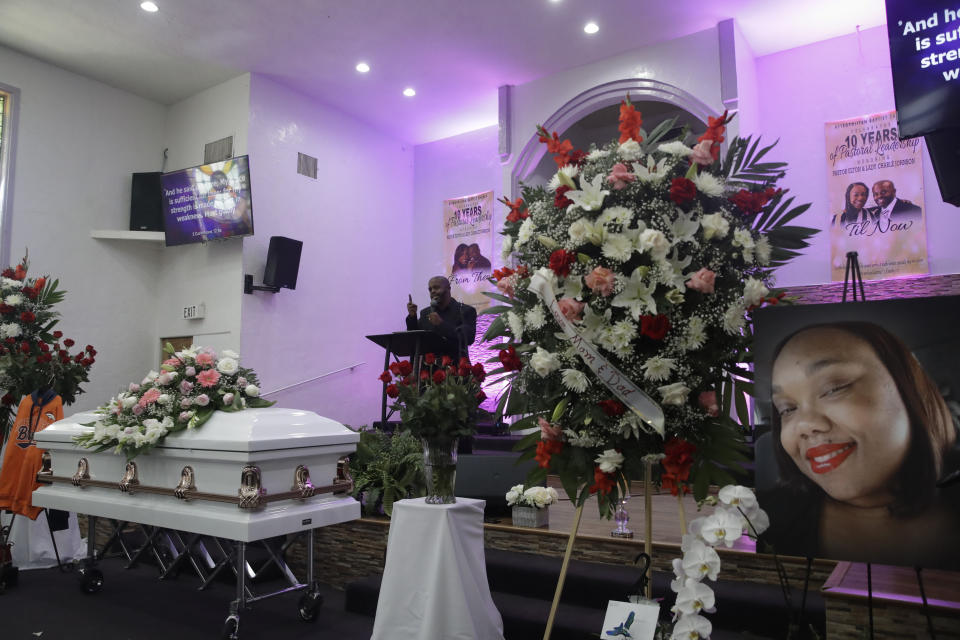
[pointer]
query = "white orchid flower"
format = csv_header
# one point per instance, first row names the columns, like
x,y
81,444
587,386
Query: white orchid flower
x,y
692,628
723,526
738,496
695,597
700,560
637,296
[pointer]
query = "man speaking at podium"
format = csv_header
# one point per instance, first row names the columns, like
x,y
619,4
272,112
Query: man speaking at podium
x,y
452,320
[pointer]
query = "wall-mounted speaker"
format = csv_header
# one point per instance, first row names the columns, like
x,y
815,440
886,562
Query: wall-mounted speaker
x,y
944,148
283,263
146,202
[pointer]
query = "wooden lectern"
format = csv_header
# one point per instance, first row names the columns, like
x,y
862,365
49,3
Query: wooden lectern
x,y
405,344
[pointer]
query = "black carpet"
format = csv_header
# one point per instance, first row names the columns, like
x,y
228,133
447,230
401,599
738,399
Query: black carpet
x,y
134,605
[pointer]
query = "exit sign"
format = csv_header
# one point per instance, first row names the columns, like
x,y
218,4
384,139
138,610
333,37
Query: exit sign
x,y
194,311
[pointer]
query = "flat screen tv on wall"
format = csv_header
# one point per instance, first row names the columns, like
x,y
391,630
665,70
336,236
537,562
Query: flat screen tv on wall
x,y
207,202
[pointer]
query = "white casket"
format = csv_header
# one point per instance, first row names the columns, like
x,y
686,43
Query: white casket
x,y
245,476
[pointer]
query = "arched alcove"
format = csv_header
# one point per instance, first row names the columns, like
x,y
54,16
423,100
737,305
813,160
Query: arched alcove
x,y
592,117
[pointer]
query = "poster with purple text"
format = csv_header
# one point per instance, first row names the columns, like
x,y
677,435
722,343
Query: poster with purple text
x,y
468,243
875,194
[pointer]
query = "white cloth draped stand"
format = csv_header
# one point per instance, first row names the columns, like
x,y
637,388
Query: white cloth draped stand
x,y
435,579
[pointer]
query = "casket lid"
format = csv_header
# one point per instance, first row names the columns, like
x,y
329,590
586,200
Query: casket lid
x,y
247,430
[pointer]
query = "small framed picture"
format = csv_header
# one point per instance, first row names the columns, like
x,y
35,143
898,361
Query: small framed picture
x,y
630,620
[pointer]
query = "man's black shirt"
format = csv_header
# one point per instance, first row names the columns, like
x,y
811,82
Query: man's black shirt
x,y
458,329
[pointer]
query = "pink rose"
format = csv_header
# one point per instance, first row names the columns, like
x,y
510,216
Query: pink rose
x,y
208,377
241,381
702,281
190,372
134,387
186,386
228,399
204,359
185,416
620,176
571,309
601,281
185,403
149,397
548,431
202,400
505,285
702,154
137,410
708,400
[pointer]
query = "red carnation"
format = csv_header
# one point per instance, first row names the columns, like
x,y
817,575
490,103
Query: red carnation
x,y
392,390
751,203
5,308
386,376
405,367
561,201
68,342
430,358
439,376
58,334
25,347
10,340
654,327
546,449
30,292
612,407
602,482
27,317
560,262
7,273
682,191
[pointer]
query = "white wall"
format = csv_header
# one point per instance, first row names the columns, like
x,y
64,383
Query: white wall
x,y
449,168
355,222
803,88
208,273
78,141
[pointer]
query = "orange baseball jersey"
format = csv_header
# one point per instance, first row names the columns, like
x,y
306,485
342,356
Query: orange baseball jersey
x,y
22,461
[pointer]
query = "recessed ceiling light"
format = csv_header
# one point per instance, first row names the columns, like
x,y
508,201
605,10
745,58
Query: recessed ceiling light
x,y
150,7
363,67
591,28
409,92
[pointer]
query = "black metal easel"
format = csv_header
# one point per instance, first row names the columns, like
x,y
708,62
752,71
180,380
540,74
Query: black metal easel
x,y
852,277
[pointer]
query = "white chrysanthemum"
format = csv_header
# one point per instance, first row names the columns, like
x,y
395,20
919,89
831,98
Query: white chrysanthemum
x,y
653,171
597,154
714,226
675,394
616,215
13,300
743,238
696,333
618,336
734,319
10,330
617,246
675,148
10,283
515,322
708,184
526,231
754,291
630,150
535,317
506,248
609,461
658,368
654,242
763,249
581,231
575,380
544,362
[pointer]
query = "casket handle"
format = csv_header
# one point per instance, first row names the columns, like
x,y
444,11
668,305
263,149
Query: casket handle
x,y
130,480
251,493
186,488
83,472
46,469
343,482
302,484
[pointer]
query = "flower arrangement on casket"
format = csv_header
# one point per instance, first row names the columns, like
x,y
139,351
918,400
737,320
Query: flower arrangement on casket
x,y
32,355
536,497
441,404
190,386
626,310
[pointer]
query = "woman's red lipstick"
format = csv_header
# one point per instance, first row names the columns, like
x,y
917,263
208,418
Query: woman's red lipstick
x,y
824,458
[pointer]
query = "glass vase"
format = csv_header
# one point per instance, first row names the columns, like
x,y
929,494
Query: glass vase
x,y
440,469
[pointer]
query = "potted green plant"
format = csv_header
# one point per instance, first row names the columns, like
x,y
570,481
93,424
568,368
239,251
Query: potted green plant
x,y
386,468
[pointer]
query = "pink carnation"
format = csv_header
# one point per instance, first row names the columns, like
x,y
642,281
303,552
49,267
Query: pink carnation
x,y
204,359
548,431
149,397
702,281
134,387
702,154
137,409
208,377
202,400
620,176
185,416
708,400
186,386
190,372
571,309
601,281
172,362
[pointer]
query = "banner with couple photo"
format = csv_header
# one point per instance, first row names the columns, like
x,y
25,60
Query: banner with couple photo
x,y
468,242
875,194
